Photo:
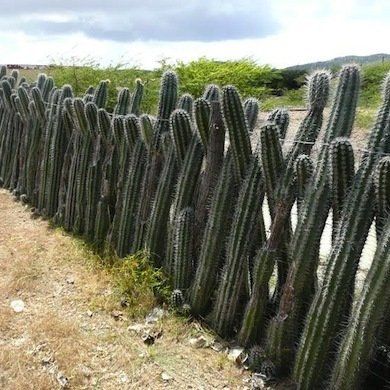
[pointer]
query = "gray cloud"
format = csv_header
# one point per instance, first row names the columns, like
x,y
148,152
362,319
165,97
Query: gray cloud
x,y
129,20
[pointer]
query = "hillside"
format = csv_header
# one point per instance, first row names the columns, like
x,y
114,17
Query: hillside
x,y
338,61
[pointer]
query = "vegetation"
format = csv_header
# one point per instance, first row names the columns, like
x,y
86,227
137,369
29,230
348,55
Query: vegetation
x,y
169,186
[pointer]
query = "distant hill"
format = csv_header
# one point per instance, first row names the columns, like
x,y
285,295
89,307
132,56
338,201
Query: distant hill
x,y
336,62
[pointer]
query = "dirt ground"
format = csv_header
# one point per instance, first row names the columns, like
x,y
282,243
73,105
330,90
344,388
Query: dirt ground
x,y
71,333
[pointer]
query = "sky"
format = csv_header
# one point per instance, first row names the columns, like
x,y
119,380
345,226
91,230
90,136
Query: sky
x,y
142,33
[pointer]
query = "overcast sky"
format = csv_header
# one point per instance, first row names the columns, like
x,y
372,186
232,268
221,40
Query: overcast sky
x,y
142,32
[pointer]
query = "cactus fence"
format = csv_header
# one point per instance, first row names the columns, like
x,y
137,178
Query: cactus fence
x,y
170,185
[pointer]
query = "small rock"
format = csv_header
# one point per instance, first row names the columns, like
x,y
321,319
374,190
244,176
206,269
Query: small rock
x,y
138,328
237,355
117,315
198,342
89,313
218,346
70,280
47,360
166,377
156,314
62,380
124,302
148,339
17,305
123,378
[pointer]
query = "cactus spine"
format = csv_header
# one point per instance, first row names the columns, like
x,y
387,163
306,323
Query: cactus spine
x,y
342,172
251,108
326,311
281,118
285,326
382,190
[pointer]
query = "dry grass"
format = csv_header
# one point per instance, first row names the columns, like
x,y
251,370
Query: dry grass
x,y
67,327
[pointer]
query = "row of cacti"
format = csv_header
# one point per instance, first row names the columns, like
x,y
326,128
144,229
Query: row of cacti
x,y
172,186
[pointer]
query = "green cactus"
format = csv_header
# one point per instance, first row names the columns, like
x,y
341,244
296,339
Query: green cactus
x,y
181,133
167,103
237,127
281,118
123,102
304,171
186,103
137,97
130,199
382,191
156,236
329,305
251,108
202,112
303,251
212,242
247,212
185,190
147,129
342,163
183,249
101,94
356,347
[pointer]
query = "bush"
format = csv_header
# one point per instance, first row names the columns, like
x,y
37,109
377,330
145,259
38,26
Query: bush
x,y
250,78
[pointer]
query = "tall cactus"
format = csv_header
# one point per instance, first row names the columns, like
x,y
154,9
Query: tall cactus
x,y
251,108
183,249
356,347
303,252
237,126
156,236
202,111
101,94
130,199
167,103
247,211
342,172
328,307
147,124
382,190
211,248
181,132
186,103
185,190
135,104
281,118
304,171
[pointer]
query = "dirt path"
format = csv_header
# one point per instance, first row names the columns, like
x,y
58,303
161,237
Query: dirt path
x,y
67,332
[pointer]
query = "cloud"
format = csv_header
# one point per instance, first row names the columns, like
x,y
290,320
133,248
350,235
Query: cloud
x,y
130,20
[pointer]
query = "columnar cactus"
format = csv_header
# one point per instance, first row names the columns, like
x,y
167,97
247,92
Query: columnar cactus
x,y
251,108
185,190
328,307
137,97
186,103
211,248
202,112
130,199
281,118
285,326
342,172
183,249
156,237
356,348
382,190
181,133
304,171
247,211
147,129
123,102
237,126
101,94
167,103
